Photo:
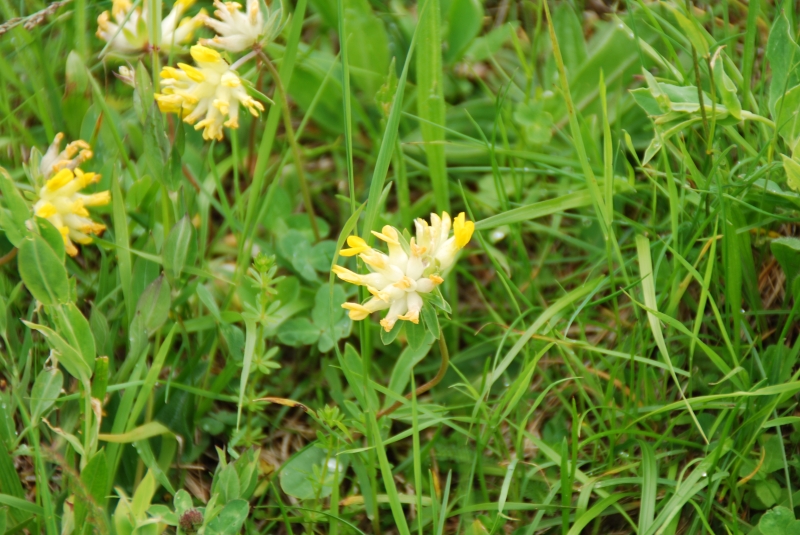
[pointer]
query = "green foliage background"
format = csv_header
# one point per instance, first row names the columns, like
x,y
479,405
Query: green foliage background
x,y
622,328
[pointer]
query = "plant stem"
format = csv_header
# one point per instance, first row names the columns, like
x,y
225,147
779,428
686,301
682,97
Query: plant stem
x,y
430,384
298,160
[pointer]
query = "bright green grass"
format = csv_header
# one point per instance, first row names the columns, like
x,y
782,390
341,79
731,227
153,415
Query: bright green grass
x,y
623,343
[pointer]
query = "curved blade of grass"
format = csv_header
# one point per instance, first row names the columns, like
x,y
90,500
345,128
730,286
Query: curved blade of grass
x,y
649,291
570,201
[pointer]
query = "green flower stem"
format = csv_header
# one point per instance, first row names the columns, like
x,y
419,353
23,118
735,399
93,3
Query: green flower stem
x,y
298,160
430,384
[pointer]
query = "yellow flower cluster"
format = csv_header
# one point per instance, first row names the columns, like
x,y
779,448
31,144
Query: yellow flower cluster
x,y
397,280
211,90
60,200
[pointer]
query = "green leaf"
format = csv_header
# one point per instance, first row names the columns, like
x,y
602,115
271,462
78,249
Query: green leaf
x,y
94,477
783,55
182,501
767,492
779,521
322,255
416,334
368,50
787,252
230,519
180,249
310,474
389,337
226,483
152,311
175,176
294,246
13,223
247,468
148,430
249,349
792,168
75,73
69,357
42,272
693,32
569,32
143,96
328,309
297,332
45,391
464,23
787,119
725,86
77,332
156,147
3,316
328,315
52,236
431,320
100,379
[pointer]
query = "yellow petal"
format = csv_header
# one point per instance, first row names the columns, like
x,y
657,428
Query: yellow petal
x,y
413,317
357,246
387,234
101,198
462,229
46,210
347,275
78,208
357,312
61,179
204,54
378,294
192,72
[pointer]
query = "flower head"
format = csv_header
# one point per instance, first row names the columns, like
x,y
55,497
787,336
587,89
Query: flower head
x,y
125,28
239,30
397,280
211,90
60,200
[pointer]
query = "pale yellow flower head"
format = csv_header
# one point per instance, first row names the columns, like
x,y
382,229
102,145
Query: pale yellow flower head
x,y
125,28
397,280
210,93
237,30
60,200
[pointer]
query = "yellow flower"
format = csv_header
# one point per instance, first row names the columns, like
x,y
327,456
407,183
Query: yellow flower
x,y
239,31
396,280
125,28
211,90
60,200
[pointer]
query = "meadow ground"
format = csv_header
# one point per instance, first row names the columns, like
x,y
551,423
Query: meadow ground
x,y
600,337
